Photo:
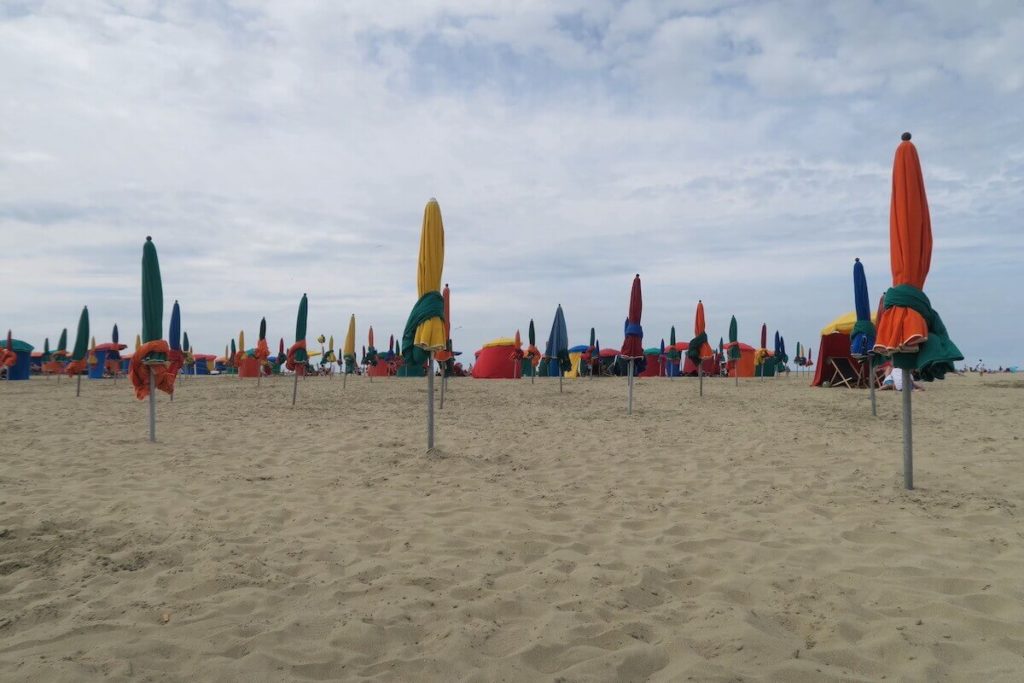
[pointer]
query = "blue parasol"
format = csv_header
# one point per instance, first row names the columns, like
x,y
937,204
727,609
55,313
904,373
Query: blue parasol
x,y
862,337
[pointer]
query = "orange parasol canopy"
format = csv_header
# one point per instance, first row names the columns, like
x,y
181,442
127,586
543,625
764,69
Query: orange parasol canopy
x,y
910,250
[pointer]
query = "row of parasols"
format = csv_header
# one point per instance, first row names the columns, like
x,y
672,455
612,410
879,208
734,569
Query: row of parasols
x,y
909,330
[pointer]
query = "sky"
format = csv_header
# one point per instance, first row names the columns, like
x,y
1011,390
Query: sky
x,y
734,152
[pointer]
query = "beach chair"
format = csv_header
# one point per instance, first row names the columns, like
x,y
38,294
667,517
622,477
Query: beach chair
x,y
843,371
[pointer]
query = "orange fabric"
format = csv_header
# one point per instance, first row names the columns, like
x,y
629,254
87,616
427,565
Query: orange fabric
x,y
176,360
533,353
910,250
8,358
262,351
698,329
290,362
75,367
138,371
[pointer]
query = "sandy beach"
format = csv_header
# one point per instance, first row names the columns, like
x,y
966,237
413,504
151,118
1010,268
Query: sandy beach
x,y
761,533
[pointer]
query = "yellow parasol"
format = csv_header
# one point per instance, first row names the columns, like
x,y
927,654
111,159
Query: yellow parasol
x,y
430,334
138,342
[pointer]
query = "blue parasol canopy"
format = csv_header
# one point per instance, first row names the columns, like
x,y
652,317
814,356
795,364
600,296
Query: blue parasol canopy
x,y
862,337
174,330
558,344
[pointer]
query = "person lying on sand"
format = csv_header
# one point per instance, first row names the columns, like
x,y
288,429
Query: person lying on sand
x,y
894,381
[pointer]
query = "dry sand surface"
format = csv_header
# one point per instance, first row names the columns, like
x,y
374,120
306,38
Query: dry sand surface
x,y
758,534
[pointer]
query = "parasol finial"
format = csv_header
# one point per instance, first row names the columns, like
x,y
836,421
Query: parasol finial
x,y
856,260
905,137
149,238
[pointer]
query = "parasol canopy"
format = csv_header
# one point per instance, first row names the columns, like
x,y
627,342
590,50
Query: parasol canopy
x,y
348,351
297,353
62,343
910,329
862,335
424,330
734,348
174,328
148,364
699,348
82,336
558,342
633,344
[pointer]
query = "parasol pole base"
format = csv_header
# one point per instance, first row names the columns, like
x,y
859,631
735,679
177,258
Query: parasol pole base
x,y
78,386
908,431
295,387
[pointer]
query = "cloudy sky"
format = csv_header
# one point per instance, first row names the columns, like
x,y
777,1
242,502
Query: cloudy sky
x,y
737,152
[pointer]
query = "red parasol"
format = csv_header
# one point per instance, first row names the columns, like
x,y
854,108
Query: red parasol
x,y
633,345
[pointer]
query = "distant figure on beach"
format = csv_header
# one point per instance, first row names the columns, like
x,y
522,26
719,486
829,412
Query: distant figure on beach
x,y
894,381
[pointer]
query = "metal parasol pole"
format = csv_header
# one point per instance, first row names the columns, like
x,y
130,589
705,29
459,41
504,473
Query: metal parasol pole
x,y
430,402
152,405
444,382
78,387
871,385
630,384
700,375
908,431
295,385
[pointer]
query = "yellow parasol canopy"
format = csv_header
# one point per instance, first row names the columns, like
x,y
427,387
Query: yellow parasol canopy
x,y
844,324
330,345
241,341
430,334
138,342
350,338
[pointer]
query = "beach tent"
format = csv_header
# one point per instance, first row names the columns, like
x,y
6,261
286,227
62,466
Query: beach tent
x,y
21,364
577,356
744,365
498,359
836,364
654,366
689,368
203,364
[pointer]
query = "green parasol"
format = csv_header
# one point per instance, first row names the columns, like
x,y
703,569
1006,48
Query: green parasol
x,y
82,337
152,294
62,344
300,330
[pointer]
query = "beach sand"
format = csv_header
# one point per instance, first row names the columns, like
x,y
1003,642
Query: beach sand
x,y
761,533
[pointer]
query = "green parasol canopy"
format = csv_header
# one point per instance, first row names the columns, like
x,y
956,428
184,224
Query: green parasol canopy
x,y
82,337
186,346
263,328
152,294
300,330
62,345
734,350
533,334
672,354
